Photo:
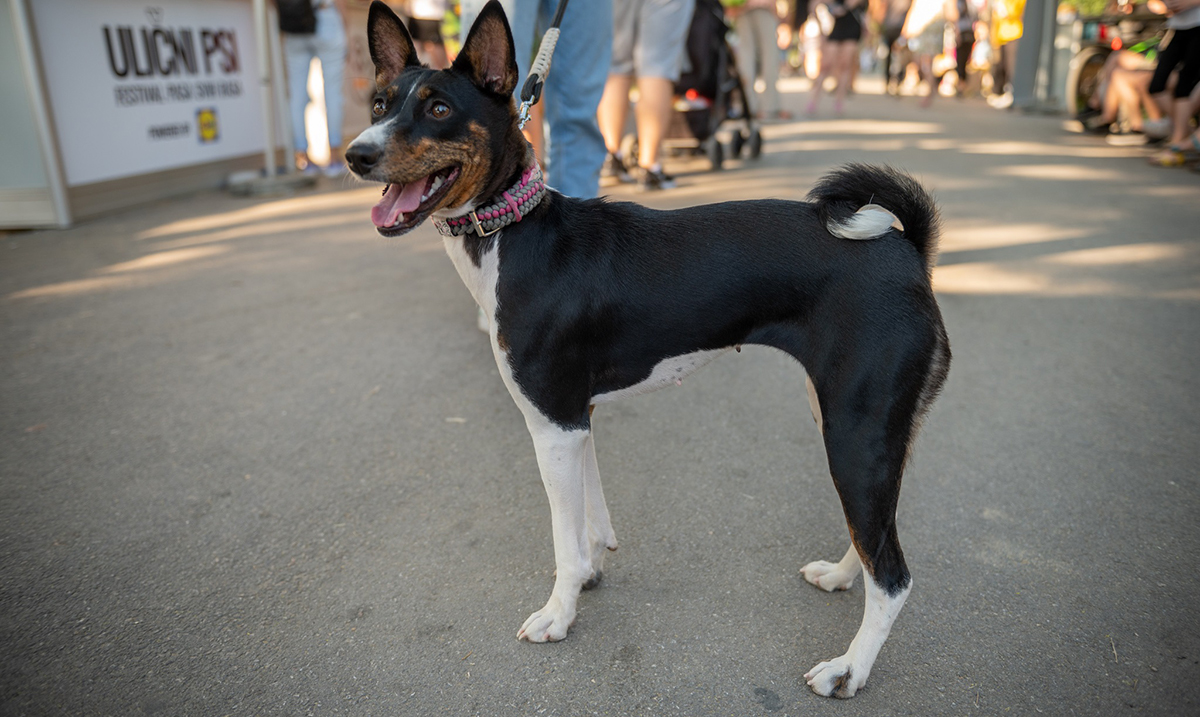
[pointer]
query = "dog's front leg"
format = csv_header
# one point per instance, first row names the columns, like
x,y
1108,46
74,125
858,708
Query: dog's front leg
x,y
562,459
601,538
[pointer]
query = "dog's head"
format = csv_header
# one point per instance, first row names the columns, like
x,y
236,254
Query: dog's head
x,y
443,141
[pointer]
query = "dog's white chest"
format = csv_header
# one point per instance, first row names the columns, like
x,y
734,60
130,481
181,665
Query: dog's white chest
x,y
479,280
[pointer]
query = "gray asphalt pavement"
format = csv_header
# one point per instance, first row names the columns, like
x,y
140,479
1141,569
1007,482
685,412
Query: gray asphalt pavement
x,y
256,460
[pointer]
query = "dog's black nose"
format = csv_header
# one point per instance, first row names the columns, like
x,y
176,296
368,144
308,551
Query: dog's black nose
x,y
362,158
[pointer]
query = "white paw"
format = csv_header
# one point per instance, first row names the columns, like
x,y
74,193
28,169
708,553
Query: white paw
x,y
548,624
834,678
829,576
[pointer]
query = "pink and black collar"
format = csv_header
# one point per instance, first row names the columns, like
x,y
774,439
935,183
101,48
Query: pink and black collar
x,y
509,207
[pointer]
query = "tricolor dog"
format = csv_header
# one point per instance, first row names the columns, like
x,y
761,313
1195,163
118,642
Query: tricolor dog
x,y
590,301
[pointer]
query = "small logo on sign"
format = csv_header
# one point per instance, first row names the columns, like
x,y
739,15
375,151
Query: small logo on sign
x,y
206,125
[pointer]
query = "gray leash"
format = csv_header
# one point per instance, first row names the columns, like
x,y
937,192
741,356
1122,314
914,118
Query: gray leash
x,y
532,91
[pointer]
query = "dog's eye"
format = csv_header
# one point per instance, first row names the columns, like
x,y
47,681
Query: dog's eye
x,y
439,110
378,108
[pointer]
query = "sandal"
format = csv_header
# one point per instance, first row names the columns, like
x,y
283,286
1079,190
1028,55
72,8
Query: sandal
x,y
1175,156
1172,156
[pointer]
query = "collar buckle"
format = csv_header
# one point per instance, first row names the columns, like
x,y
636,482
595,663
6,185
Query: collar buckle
x,y
479,227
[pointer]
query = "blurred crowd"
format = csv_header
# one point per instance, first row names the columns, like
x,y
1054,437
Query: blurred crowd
x,y
630,66
1147,91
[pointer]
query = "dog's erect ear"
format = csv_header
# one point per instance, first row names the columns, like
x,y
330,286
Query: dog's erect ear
x,y
487,55
391,47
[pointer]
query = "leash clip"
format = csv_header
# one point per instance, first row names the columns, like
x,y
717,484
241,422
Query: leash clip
x,y
523,114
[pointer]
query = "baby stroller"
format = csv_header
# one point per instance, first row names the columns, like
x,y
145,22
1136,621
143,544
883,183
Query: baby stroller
x,y
709,93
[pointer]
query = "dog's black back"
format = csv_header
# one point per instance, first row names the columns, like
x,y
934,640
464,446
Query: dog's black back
x,y
594,294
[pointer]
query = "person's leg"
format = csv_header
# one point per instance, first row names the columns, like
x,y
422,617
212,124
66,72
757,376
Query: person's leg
x,y
828,63
926,62
768,59
890,74
1126,100
747,57
614,108
572,95
1141,84
1010,60
330,42
962,56
298,57
658,60
655,95
1189,78
614,103
847,54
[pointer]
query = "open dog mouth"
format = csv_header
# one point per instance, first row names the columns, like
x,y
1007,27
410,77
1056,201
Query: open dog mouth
x,y
404,206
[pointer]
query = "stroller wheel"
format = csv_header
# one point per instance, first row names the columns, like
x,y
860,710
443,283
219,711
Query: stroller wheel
x,y
714,152
755,144
736,143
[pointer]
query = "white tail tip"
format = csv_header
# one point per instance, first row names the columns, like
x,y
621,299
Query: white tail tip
x,y
868,222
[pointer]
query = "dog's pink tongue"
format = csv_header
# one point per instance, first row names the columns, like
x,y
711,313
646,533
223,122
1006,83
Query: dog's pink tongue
x,y
399,199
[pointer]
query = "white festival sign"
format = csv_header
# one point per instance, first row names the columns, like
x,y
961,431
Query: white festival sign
x,y
138,87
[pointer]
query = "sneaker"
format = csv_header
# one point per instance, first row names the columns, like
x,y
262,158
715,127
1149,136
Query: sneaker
x,y
335,169
1126,139
614,171
1157,129
655,179
1096,125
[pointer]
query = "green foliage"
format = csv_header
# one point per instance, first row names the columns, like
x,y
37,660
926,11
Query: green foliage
x,y
1090,8
1094,8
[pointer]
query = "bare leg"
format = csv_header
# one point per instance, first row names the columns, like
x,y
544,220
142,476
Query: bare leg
x,y
1142,85
655,95
927,72
847,58
828,60
614,107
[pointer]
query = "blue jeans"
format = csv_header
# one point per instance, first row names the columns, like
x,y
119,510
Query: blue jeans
x,y
574,146
328,44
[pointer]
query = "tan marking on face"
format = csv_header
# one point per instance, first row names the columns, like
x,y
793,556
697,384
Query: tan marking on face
x,y
406,162
424,93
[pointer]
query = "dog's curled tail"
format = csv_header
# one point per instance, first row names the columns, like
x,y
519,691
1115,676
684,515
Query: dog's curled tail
x,y
859,201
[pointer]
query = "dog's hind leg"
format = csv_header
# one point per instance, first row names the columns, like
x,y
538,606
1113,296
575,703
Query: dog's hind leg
x,y
601,538
825,575
562,456
866,456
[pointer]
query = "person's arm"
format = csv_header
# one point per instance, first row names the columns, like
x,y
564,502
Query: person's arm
x,y
1178,6
906,30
